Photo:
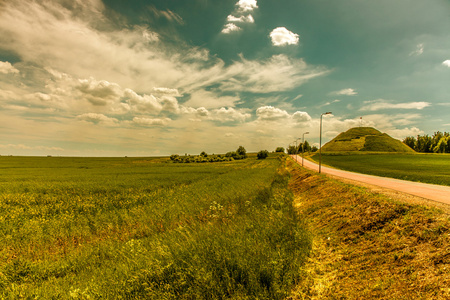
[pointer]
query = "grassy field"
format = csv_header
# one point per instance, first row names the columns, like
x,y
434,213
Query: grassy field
x,y
88,228
428,168
369,246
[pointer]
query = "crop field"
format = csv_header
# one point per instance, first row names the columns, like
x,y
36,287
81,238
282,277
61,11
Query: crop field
x,y
427,168
85,228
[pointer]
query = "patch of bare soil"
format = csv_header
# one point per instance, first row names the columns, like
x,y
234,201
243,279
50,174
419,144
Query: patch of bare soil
x,y
370,243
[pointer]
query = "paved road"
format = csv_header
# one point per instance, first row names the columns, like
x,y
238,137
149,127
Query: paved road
x,y
433,192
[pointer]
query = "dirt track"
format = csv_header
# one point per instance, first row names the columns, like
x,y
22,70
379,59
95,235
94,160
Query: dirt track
x,y
432,192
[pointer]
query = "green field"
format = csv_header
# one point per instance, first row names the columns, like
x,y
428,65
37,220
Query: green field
x,y
428,168
85,228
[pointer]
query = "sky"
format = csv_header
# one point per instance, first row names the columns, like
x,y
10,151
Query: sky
x,y
162,77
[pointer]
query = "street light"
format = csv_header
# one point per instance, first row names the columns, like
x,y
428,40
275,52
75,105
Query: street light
x,y
320,141
296,149
303,145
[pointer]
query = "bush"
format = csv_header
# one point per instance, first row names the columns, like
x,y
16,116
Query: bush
x,y
262,154
242,152
280,149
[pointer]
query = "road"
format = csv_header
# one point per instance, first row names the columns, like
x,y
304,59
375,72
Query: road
x,y
432,192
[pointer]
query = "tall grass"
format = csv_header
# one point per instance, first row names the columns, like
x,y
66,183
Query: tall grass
x,y
147,228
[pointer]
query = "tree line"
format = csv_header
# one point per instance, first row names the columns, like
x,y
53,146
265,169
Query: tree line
x,y
240,153
306,147
439,142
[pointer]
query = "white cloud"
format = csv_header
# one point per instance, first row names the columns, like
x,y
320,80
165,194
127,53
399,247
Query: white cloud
x,y
97,118
209,99
7,68
446,63
150,122
99,92
230,115
381,104
301,117
402,133
345,92
281,37
166,91
241,19
419,50
247,5
270,113
143,104
278,73
329,103
230,27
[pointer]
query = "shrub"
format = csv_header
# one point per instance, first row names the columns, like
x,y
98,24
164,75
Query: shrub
x,y
280,149
242,152
262,154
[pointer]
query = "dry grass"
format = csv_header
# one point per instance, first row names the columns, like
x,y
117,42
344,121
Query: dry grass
x,y
367,245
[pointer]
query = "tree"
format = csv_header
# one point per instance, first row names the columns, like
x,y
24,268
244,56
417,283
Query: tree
x,y
410,141
291,150
424,144
280,149
241,151
314,149
442,145
304,146
262,154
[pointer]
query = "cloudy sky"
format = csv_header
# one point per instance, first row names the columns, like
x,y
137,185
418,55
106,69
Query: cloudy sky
x,y
157,77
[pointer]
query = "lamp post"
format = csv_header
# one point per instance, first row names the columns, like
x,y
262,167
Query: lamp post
x,y
296,149
303,145
320,140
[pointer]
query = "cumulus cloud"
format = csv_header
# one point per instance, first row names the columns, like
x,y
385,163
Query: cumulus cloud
x,y
166,91
241,19
270,113
281,37
247,5
381,104
145,103
151,122
240,15
7,68
230,27
222,114
301,117
99,92
446,63
97,119
345,92
229,115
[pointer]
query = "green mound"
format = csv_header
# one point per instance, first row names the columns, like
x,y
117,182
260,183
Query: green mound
x,y
365,139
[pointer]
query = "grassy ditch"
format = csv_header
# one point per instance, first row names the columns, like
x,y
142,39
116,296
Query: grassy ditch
x,y
367,246
130,228
428,168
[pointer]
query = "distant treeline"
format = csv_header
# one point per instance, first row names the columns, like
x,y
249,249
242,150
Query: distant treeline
x,y
437,143
240,153
306,148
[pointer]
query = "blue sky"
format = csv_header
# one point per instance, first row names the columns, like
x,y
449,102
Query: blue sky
x,y
145,77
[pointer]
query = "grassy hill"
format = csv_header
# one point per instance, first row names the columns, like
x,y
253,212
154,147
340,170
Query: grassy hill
x,y
365,139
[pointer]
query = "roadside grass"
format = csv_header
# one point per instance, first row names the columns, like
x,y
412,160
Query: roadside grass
x,y
141,228
368,246
427,168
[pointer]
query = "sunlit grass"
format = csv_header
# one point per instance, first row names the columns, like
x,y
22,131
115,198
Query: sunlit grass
x,y
147,228
428,168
